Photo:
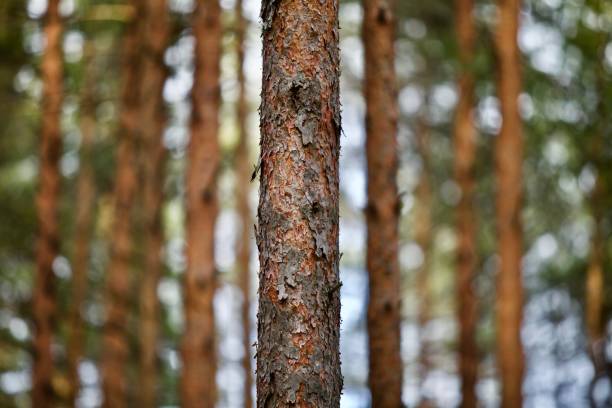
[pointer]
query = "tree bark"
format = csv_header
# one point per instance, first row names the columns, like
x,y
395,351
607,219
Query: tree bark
x,y
44,302
298,360
465,220
198,388
86,193
153,121
508,159
382,212
423,235
115,346
242,199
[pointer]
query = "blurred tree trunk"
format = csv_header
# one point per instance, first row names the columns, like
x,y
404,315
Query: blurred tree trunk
x,y
298,359
423,235
508,158
198,388
594,296
595,276
242,199
384,311
115,346
44,302
153,121
465,221
85,204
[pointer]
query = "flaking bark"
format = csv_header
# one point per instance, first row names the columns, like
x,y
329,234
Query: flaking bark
x,y
242,199
44,302
153,121
382,212
198,349
115,346
298,361
465,220
508,160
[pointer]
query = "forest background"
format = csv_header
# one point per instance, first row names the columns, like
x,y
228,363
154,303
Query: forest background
x,y
565,105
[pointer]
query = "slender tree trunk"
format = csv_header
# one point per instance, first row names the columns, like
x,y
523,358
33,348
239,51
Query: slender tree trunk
x,y
382,213
508,157
242,198
44,302
298,359
199,357
465,221
153,121
85,204
423,235
594,296
115,346
595,283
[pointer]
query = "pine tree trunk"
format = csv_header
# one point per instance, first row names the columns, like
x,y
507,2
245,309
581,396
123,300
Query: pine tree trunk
x,y
508,157
153,121
44,302
242,199
115,346
384,307
298,360
198,388
423,236
465,221
85,204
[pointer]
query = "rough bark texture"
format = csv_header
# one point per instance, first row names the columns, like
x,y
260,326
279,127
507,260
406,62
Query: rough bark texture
x,y
298,360
199,356
85,204
384,307
44,303
115,347
153,121
465,220
423,236
242,200
508,159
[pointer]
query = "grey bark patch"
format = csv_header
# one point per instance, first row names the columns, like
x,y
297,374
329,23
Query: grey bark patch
x,y
268,11
289,267
307,127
